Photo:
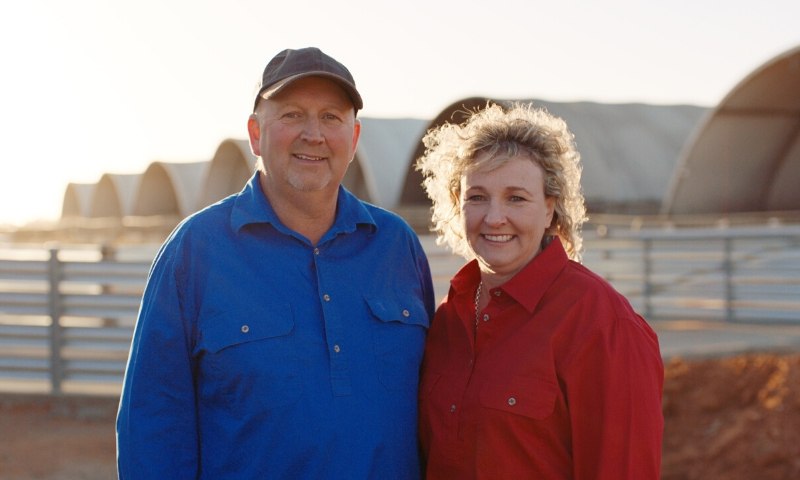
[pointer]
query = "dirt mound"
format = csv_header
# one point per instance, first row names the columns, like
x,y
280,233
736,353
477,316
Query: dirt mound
x,y
734,418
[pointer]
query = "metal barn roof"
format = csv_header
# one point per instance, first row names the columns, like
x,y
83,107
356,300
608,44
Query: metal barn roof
x,y
745,156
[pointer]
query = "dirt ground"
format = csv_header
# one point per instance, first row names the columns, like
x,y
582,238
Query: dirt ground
x,y
735,418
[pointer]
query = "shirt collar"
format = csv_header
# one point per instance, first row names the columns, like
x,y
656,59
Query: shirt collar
x,y
529,284
251,206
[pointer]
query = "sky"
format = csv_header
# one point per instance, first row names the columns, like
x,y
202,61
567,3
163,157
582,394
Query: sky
x,y
108,86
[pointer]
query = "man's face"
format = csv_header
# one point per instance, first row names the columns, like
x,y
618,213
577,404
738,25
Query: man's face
x,y
306,136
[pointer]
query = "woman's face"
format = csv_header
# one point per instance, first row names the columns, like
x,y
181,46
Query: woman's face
x,y
505,214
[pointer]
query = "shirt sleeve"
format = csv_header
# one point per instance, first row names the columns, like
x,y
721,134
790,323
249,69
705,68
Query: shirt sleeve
x,y
425,280
614,388
156,427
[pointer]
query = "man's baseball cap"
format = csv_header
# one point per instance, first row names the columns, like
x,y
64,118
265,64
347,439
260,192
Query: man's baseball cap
x,y
290,65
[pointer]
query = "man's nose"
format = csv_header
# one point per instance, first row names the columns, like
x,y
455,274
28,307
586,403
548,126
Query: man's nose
x,y
311,131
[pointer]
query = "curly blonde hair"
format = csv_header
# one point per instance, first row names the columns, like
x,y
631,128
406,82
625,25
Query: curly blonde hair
x,y
502,133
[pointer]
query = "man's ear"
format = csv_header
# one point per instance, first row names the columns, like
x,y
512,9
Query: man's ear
x,y
356,133
254,131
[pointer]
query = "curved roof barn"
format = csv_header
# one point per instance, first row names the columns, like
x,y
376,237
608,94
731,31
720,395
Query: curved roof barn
x,y
77,197
384,150
745,156
169,189
114,195
742,156
231,166
628,151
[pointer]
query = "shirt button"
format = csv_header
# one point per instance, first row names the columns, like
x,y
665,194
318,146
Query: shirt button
x,y
316,251
245,328
406,313
452,408
512,401
497,293
336,349
326,297
485,317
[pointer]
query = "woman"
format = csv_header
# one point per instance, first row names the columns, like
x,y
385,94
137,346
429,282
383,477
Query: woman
x,y
535,367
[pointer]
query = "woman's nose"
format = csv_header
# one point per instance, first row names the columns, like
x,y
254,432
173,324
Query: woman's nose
x,y
495,214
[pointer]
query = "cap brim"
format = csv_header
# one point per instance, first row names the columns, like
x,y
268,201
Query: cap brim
x,y
349,88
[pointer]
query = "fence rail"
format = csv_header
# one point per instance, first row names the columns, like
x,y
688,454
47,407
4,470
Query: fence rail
x,y
736,274
66,317
67,323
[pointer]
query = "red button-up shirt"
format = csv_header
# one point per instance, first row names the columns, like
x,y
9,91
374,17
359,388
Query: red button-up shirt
x,y
563,381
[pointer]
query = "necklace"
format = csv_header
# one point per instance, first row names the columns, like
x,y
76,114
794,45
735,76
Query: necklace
x,y
478,301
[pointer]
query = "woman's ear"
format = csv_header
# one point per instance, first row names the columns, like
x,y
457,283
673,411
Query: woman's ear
x,y
551,208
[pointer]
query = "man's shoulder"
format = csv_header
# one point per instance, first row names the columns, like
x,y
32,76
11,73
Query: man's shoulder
x,y
213,218
384,217
392,224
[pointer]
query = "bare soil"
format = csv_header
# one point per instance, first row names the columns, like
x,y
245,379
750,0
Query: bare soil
x,y
734,418
70,438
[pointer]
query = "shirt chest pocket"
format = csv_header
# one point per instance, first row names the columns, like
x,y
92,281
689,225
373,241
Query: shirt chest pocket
x,y
399,329
525,396
251,357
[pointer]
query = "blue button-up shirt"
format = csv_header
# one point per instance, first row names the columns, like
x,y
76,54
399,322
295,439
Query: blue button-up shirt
x,y
259,355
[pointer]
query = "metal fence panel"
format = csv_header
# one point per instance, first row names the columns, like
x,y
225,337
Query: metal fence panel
x,y
72,320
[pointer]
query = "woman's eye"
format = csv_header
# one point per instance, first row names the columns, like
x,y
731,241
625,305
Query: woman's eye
x,y
516,198
475,198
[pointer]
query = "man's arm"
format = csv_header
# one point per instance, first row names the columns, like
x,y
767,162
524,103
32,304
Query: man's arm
x,y
157,435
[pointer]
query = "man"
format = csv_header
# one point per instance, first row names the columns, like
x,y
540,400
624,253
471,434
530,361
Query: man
x,y
281,330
